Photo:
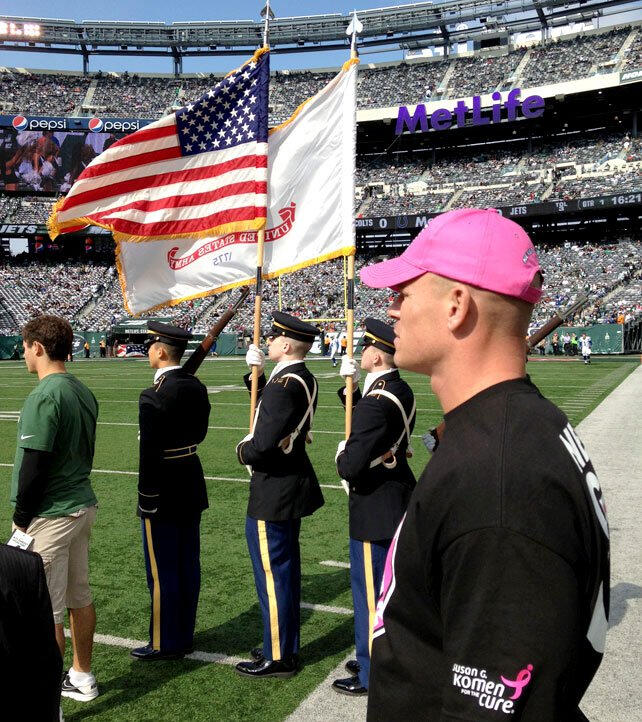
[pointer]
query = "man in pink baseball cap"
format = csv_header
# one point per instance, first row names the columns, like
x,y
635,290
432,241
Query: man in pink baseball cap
x,y
495,595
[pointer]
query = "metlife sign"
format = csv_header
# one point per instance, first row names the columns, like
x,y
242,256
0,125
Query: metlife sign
x,y
21,123
501,109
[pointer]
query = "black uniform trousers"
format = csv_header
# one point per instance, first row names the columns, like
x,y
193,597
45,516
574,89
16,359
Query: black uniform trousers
x,y
173,565
276,561
367,562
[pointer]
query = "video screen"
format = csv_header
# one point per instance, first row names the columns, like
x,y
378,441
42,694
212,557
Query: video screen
x,y
46,160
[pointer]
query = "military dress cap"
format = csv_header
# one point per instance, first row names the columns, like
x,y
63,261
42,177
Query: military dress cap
x,y
165,333
292,327
380,335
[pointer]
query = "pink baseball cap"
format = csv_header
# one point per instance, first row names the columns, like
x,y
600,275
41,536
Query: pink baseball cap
x,y
475,246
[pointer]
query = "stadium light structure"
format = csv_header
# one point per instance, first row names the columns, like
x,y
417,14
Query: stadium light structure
x,y
427,23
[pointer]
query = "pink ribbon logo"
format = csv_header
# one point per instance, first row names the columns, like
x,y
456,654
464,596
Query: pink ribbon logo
x,y
523,678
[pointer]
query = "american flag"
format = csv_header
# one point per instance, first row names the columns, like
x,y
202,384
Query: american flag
x,y
201,171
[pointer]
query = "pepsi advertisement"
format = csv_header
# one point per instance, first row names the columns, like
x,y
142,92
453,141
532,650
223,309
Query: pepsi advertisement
x,y
47,154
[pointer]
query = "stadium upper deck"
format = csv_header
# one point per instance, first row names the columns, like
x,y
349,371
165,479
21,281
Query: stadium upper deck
x,y
599,57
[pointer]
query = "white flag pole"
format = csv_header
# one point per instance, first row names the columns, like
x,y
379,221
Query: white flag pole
x,y
353,29
256,337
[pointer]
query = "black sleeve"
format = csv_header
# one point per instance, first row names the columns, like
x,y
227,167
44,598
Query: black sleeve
x,y
31,485
278,416
356,395
150,452
247,379
369,438
509,608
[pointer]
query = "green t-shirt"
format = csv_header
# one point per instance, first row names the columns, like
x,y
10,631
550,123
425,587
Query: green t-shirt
x,y
59,416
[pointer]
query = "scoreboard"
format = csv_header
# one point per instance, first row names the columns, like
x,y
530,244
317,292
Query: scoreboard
x,y
625,199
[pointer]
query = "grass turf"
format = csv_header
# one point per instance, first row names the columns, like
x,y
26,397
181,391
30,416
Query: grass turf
x,y
228,617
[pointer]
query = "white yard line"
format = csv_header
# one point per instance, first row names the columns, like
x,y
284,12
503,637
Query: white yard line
x,y
220,428
207,657
332,563
326,608
120,472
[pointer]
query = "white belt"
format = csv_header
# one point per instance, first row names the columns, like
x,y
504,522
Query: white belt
x,y
405,432
287,443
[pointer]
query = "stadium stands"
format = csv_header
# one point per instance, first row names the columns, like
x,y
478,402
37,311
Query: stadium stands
x,y
394,183
585,166
405,83
134,96
567,168
89,294
560,60
36,93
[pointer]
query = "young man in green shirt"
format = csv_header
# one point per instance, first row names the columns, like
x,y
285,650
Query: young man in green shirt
x,y
51,491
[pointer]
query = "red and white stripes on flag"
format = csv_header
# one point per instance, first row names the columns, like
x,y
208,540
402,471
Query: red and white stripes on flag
x,y
310,216
198,172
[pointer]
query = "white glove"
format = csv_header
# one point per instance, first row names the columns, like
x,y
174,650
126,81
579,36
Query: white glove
x,y
349,369
340,448
255,357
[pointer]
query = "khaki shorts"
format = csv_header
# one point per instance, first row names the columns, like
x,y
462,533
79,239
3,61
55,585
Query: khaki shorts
x,y
63,544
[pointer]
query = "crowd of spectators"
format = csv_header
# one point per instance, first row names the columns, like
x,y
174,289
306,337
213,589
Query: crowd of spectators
x,y
89,294
477,75
623,179
41,94
405,83
633,58
558,60
25,209
136,96
556,168
29,288
393,204
606,272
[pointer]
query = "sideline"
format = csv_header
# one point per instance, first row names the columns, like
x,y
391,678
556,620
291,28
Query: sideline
x,y
613,437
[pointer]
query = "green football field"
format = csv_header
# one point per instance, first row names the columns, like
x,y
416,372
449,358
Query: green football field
x,y
229,619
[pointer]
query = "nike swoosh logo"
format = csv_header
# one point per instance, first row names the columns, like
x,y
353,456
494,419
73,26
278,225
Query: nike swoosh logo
x,y
23,437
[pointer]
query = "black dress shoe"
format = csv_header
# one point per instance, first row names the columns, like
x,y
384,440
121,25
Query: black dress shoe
x,y
351,686
267,668
353,667
149,654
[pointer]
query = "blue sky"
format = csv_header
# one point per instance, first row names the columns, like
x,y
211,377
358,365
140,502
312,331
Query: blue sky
x,y
168,12
165,11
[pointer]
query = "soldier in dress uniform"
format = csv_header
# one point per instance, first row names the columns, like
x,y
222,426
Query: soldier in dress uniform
x,y
173,418
374,463
283,489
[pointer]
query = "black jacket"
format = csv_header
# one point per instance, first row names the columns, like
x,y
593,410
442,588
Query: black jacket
x,y
172,414
378,495
30,661
283,486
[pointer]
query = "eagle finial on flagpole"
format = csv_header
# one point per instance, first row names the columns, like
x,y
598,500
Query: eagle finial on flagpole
x,y
354,28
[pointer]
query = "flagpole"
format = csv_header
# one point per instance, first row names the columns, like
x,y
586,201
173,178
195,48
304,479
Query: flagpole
x,y
254,389
354,28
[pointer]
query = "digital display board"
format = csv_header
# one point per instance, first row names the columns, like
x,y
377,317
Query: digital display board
x,y
47,160
19,30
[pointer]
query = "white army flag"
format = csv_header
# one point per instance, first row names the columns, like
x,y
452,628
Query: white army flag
x,y
311,166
